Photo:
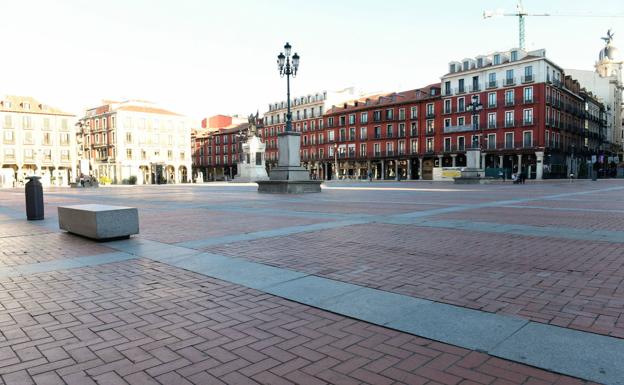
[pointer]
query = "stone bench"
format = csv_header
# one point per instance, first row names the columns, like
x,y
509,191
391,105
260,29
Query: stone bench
x,y
101,222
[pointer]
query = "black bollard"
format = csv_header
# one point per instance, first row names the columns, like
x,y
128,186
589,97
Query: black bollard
x,y
34,199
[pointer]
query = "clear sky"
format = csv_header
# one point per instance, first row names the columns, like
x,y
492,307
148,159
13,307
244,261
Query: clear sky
x,y
204,57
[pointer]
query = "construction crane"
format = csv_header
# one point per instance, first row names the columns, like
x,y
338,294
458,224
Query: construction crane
x,y
521,13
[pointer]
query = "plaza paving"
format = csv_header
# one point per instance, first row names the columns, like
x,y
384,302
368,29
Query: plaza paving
x,y
371,283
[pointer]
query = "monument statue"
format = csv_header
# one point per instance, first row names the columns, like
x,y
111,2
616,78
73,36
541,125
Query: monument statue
x,y
251,165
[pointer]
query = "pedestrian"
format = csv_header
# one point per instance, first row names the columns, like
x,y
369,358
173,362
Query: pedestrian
x,y
82,180
522,177
370,176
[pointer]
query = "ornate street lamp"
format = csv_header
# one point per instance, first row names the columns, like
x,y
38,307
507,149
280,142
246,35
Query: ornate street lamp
x,y
336,160
288,69
475,107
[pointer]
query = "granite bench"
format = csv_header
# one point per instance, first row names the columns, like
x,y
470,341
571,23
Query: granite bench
x,y
100,222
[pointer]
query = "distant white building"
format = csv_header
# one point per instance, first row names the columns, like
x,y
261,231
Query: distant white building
x,y
36,140
129,139
606,83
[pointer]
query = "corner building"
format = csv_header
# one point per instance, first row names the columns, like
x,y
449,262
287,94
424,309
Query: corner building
x,y
137,139
37,139
532,116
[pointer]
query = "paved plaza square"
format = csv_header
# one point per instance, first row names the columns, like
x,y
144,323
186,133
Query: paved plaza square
x,y
365,283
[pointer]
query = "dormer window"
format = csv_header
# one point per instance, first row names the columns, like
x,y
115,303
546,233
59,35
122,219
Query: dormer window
x,y
466,65
480,62
514,55
7,104
26,106
452,67
497,59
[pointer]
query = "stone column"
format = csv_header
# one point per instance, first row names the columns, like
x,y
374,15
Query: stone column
x,y
519,163
539,165
454,159
420,168
483,161
409,169
440,157
368,168
396,169
500,161
383,169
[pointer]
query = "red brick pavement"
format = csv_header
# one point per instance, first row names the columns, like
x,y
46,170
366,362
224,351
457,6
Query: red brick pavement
x,y
141,322
41,245
575,284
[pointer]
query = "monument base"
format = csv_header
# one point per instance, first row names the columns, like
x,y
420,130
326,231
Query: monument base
x,y
289,186
471,176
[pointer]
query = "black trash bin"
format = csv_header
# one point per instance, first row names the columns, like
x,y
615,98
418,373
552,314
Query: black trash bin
x,y
34,199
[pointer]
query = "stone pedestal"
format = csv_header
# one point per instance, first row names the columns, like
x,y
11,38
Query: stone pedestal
x,y
289,177
251,168
472,173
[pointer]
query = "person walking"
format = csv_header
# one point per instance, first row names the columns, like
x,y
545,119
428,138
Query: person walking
x,y
370,176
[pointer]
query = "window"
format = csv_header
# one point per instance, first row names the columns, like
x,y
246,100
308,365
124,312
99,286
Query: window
x,y
447,122
528,74
343,135
492,80
492,99
491,141
414,129
447,106
376,116
527,139
402,114
509,77
461,143
461,121
414,146
414,113
475,122
330,122
28,137
527,116
460,86
9,138
362,133
497,59
26,122
129,154
389,131
330,135
528,94
364,117
447,144
377,133
377,149
514,55
447,88
26,106
352,133
362,149
492,120
46,123
509,119
65,155
401,148
389,114
430,126
47,155
429,145
509,140
342,120
509,98
461,105
401,130
47,138
547,139
8,122
389,148
466,65
430,110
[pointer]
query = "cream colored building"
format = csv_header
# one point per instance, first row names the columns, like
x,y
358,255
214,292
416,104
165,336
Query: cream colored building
x,y
36,140
128,139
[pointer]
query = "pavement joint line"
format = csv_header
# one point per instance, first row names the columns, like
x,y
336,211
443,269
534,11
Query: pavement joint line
x,y
525,230
564,209
66,263
491,333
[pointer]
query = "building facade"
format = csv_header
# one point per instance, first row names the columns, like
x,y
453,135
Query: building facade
x,y
137,139
36,140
